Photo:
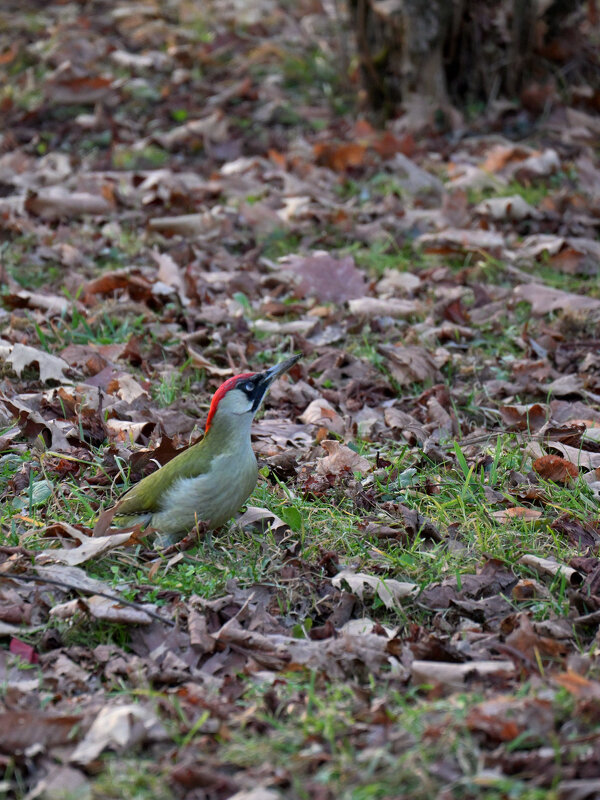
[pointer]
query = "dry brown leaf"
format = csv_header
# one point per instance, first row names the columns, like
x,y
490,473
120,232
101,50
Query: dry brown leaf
x,y
538,165
549,567
199,361
77,90
304,327
516,512
507,208
260,793
254,514
584,459
88,548
119,728
52,303
524,417
525,639
56,202
578,685
391,307
325,277
169,273
294,208
340,459
409,364
453,240
321,413
62,782
339,157
456,676
394,282
19,356
389,591
502,155
544,299
206,224
126,387
72,577
555,468
502,718
124,430
214,127
20,730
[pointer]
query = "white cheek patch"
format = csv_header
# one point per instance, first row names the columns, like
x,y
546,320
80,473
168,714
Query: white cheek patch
x,y
244,410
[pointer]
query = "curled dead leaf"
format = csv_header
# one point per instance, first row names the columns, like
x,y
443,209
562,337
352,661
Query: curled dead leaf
x,y
19,356
340,459
89,547
516,512
55,202
118,727
389,591
455,676
544,299
555,468
321,412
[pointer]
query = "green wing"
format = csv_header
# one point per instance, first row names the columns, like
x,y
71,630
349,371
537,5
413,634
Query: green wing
x,y
144,497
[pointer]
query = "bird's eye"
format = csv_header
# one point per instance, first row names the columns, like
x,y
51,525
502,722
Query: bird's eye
x,y
249,387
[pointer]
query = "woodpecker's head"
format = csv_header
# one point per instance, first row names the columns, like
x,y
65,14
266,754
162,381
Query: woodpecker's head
x,y
243,394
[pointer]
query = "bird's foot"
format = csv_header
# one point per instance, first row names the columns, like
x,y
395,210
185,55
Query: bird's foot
x,y
186,543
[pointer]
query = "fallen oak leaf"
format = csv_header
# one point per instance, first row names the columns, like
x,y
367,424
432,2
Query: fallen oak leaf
x,y
19,730
456,676
379,307
320,412
578,457
19,356
524,417
545,565
555,468
55,202
328,279
266,518
516,512
502,718
578,685
200,362
118,727
170,274
339,157
340,459
389,591
544,299
524,639
410,363
89,547
507,208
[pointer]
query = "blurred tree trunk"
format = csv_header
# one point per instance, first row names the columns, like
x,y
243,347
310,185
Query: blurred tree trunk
x,y
446,53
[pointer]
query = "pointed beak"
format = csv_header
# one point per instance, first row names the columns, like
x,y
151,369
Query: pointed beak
x,y
274,372
267,378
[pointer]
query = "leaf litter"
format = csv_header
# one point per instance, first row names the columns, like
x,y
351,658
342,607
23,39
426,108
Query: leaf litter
x,y
426,526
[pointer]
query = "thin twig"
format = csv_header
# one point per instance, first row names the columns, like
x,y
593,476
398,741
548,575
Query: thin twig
x,y
73,587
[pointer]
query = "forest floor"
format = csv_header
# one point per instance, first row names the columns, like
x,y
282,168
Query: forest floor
x,y
409,605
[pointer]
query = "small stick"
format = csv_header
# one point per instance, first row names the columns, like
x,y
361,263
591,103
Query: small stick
x,y
72,587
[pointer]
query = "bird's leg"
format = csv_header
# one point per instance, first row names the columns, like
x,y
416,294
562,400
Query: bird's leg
x,y
188,541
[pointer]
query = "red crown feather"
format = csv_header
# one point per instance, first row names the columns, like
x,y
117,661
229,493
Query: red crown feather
x,y
230,383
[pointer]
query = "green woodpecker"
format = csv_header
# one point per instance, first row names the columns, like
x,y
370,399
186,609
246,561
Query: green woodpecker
x,y
209,481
